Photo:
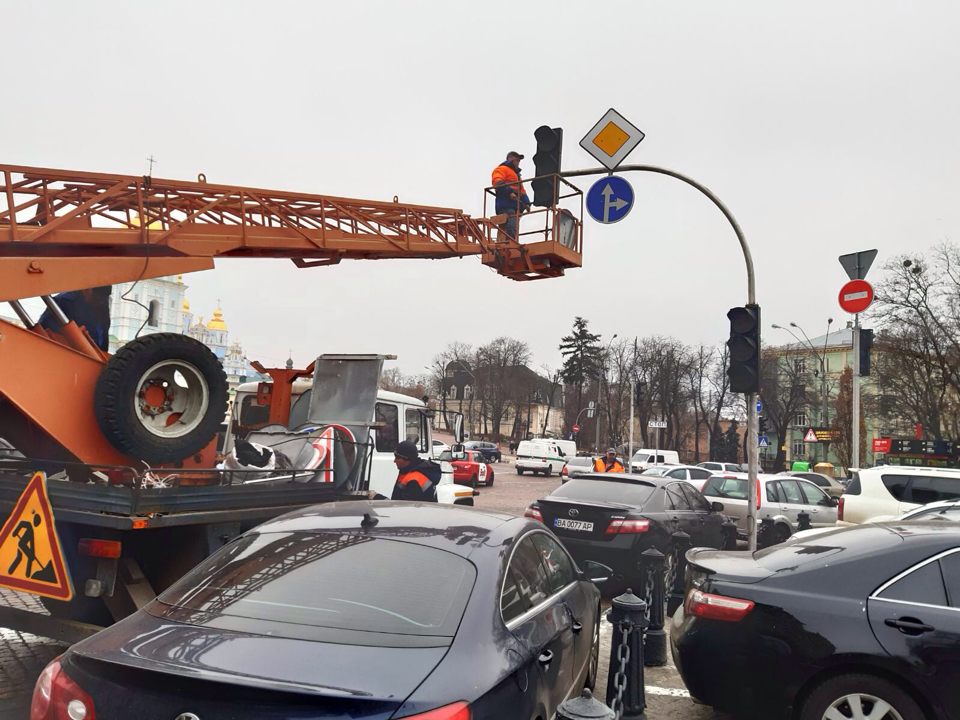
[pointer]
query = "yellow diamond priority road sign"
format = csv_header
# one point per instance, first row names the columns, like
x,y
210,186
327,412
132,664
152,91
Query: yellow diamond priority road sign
x,y
612,139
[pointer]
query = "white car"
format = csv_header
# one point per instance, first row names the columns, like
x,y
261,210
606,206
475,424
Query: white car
x,y
693,474
945,510
892,490
439,447
781,499
724,467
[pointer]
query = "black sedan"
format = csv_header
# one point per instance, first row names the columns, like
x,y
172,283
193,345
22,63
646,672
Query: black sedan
x,y
611,518
862,622
369,610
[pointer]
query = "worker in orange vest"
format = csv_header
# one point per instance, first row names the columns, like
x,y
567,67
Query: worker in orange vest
x,y
609,463
512,200
418,478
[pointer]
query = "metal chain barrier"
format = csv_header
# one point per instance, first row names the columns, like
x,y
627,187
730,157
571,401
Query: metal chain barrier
x,y
620,677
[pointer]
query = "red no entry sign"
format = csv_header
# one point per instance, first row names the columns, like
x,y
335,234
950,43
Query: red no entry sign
x,y
576,428
856,296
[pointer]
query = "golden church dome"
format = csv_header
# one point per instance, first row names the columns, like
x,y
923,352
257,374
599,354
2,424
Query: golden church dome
x,y
216,322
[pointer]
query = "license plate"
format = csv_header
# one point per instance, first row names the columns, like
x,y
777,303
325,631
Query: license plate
x,y
573,525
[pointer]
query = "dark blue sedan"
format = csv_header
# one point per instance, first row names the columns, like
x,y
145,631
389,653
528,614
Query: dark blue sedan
x,y
369,610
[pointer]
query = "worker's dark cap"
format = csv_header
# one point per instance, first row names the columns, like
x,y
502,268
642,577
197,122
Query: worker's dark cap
x,y
611,451
514,154
407,450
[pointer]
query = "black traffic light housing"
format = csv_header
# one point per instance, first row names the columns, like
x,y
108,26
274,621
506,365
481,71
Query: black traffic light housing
x,y
546,161
638,390
744,346
866,343
763,425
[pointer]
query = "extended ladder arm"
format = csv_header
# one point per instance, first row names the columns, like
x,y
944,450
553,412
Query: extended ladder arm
x,y
65,230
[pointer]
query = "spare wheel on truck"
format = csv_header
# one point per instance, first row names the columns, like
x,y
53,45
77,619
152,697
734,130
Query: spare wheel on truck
x,y
161,398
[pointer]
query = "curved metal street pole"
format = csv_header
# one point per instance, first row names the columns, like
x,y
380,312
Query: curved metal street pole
x,y
751,398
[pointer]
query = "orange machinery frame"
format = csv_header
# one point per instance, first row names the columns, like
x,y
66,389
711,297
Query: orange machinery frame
x,y
67,230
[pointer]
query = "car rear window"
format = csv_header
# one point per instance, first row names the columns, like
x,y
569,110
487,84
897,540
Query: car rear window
x,y
631,493
346,582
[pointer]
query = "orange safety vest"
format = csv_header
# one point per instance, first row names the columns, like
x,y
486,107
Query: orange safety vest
x,y
600,465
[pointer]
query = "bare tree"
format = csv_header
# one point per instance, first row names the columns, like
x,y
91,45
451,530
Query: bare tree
x,y
843,421
503,386
784,390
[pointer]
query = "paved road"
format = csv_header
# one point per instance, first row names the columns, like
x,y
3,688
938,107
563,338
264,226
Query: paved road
x,y
22,656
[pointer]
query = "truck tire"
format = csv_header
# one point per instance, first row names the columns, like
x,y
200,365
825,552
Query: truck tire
x,y
161,398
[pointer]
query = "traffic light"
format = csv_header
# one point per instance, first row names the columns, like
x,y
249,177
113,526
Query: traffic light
x,y
744,345
546,161
763,425
866,343
638,389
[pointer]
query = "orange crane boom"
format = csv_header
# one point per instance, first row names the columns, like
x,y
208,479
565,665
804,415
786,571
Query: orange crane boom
x,y
66,230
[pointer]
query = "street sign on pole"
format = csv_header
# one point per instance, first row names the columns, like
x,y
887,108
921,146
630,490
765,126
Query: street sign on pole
x,y
857,264
576,428
810,437
612,139
759,407
762,441
609,200
591,412
856,296
654,424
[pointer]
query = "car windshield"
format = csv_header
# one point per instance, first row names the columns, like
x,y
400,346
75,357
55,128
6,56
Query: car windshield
x,y
590,490
341,581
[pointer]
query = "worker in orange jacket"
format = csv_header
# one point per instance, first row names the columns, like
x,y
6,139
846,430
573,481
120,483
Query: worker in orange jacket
x,y
418,478
511,200
609,463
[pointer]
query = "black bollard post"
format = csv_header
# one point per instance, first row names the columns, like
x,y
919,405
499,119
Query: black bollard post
x,y
765,535
803,521
681,543
625,691
585,707
655,643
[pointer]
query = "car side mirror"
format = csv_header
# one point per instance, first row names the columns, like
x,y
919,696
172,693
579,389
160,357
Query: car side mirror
x,y
458,433
458,452
596,572
716,507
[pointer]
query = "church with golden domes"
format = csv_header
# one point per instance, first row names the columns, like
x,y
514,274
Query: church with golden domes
x,y
161,305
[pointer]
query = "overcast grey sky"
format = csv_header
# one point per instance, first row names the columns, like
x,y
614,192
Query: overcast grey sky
x,y
825,126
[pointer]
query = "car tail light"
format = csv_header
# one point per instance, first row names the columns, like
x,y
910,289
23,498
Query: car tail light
x,y
758,493
564,472
716,607
454,711
533,512
92,547
623,526
57,697
840,508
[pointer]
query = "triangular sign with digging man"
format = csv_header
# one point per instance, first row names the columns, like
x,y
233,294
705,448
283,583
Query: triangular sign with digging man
x,y
30,556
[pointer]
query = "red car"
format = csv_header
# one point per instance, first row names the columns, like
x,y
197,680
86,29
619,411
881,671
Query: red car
x,y
472,470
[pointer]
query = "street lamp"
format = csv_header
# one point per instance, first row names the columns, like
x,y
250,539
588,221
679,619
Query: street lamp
x,y
603,371
822,361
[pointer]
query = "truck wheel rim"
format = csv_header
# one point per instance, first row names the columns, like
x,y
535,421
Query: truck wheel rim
x,y
172,399
861,706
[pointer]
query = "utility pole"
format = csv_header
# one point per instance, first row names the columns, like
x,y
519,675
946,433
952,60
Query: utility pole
x,y
633,393
855,434
603,371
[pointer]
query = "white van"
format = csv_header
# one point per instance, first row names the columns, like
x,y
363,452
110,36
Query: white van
x,y
540,457
648,457
403,418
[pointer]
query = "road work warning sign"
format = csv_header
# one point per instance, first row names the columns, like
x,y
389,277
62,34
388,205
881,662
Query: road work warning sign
x,y
30,556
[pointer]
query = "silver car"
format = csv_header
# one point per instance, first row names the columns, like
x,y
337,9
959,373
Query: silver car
x,y
782,499
576,466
